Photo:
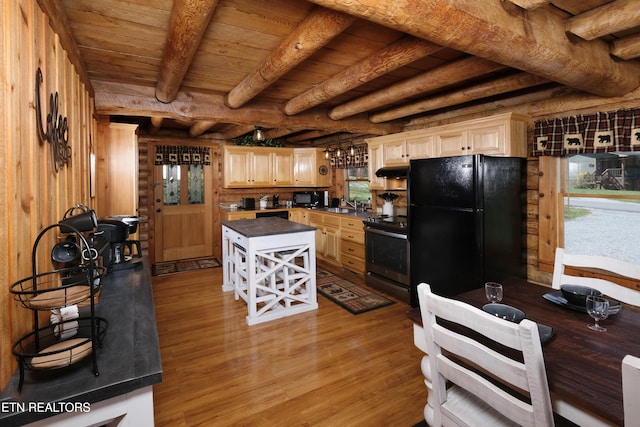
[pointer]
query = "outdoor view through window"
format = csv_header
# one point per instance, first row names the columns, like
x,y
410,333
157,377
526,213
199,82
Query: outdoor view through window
x,y
602,205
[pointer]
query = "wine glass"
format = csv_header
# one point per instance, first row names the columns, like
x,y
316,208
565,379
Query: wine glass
x,y
493,291
598,308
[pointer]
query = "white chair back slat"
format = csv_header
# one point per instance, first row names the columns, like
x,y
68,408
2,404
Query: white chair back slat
x,y
480,375
606,265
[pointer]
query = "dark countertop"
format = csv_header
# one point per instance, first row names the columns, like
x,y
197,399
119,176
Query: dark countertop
x,y
266,226
129,359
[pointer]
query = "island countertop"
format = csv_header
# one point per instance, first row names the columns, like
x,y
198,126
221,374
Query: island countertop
x,y
266,226
129,360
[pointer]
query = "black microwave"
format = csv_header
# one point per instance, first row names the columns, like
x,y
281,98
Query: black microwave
x,y
308,199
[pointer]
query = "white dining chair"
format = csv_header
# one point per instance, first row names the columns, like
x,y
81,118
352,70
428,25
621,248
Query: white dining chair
x,y
473,384
601,263
631,389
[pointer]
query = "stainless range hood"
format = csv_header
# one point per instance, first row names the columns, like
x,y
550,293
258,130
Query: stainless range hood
x,y
397,172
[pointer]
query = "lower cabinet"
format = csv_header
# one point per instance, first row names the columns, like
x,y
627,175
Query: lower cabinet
x,y
352,244
327,236
232,216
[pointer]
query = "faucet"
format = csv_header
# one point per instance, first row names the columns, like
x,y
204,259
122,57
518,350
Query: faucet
x,y
353,204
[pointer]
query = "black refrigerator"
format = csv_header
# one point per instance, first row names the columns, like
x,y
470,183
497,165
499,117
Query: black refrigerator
x,y
465,222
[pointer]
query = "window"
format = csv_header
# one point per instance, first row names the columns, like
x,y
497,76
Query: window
x,y
171,176
601,205
357,184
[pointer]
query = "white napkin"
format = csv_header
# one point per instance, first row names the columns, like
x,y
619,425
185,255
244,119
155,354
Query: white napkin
x,y
69,327
66,330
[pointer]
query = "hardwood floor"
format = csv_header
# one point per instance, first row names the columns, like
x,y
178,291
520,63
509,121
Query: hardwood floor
x,y
322,368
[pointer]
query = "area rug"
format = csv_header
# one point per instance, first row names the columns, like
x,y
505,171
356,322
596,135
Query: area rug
x,y
356,299
184,265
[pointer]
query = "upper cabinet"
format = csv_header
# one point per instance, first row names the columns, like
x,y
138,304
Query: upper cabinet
x,y
504,135
311,169
376,161
245,168
274,167
499,135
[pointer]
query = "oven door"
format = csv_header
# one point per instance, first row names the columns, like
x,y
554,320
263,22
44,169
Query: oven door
x,y
387,254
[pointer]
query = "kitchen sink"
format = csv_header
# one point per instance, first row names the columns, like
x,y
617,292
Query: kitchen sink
x,y
338,210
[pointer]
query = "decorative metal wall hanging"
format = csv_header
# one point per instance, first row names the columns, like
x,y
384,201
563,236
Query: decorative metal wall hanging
x,y
343,160
57,127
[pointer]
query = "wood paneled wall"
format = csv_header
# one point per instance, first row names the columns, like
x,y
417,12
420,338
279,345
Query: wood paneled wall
x,y
33,195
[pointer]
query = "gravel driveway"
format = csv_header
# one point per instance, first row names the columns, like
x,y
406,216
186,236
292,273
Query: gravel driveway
x,y
618,234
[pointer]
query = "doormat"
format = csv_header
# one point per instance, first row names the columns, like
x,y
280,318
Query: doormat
x,y
356,299
184,265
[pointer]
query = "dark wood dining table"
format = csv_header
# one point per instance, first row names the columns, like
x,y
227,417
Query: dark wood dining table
x,y
583,366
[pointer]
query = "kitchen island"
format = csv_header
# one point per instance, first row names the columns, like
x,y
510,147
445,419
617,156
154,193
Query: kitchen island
x,y
129,364
271,264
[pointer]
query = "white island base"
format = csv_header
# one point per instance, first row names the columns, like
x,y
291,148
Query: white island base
x,y
270,263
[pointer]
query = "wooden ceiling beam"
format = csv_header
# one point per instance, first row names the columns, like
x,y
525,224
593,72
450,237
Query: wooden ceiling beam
x,y
320,27
308,135
200,127
119,99
276,133
399,54
437,78
627,48
479,91
607,19
156,123
237,131
530,4
533,41
187,25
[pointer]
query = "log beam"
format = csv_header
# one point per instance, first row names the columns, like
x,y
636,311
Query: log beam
x,y
308,135
530,4
627,48
437,78
200,127
607,19
472,93
117,99
533,41
320,27
399,54
188,22
156,123
237,131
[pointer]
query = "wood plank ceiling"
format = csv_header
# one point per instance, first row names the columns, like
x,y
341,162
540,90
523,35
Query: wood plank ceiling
x,y
310,72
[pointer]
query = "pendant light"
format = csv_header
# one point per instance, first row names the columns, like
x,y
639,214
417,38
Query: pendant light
x,y
327,153
352,149
338,150
258,134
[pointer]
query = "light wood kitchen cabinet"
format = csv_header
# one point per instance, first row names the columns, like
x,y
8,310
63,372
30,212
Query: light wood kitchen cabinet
x,y
311,169
352,244
409,145
304,173
395,152
490,140
499,135
453,143
299,215
247,167
283,164
376,161
327,236
232,216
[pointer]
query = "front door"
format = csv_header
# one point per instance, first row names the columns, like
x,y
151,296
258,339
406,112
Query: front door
x,y
183,211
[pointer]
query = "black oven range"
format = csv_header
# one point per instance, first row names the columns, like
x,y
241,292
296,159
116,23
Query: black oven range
x,y
387,255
